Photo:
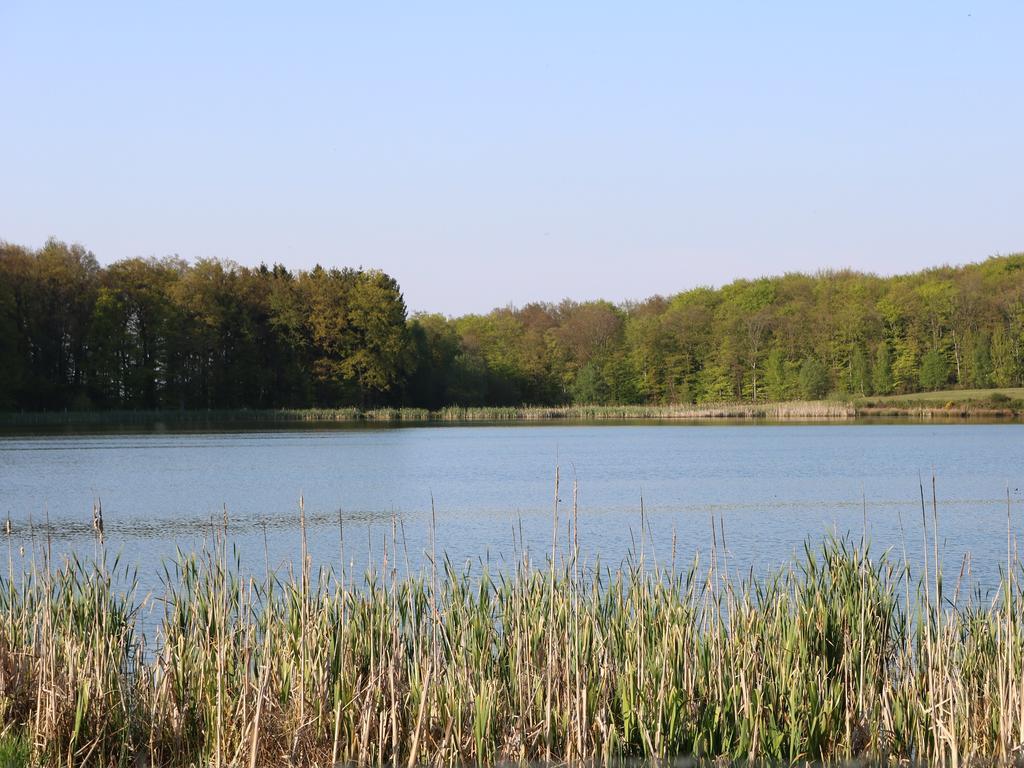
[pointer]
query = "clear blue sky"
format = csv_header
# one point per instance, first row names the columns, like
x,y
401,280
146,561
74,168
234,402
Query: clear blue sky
x,y
487,154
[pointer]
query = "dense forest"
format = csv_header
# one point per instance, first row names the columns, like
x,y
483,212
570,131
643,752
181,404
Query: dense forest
x,y
162,333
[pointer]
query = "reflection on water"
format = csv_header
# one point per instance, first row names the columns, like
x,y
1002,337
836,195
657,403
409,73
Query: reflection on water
x,y
769,487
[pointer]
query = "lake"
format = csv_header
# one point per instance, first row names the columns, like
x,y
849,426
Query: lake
x,y
767,487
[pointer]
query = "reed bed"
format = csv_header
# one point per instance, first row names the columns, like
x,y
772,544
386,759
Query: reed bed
x,y
213,416
782,411
841,655
803,411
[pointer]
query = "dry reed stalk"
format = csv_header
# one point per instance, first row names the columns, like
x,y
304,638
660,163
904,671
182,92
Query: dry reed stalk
x,y
836,657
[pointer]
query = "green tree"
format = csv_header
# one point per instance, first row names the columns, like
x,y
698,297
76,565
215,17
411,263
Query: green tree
x,y
53,292
435,347
128,354
860,372
589,387
906,365
359,336
775,378
376,358
12,363
881,374
934,370
715,384
980,362
1004,364
162,333
814,379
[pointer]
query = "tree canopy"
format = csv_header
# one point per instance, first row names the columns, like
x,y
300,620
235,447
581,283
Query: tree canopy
x,y
162,333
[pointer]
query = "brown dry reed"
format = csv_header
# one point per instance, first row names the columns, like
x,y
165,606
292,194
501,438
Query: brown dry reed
x,y
781,411
840,655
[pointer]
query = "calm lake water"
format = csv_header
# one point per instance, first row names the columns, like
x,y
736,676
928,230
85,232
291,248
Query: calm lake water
x,y
769,487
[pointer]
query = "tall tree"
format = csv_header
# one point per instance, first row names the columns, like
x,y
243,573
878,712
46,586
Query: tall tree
x,y
160,333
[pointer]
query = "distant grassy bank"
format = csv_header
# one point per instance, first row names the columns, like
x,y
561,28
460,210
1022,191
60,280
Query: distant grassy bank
x,y
958,396
1005,403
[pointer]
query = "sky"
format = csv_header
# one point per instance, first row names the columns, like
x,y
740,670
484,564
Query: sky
x,y
487,154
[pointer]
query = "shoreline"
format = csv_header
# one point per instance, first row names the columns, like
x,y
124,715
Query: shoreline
x,y
795,411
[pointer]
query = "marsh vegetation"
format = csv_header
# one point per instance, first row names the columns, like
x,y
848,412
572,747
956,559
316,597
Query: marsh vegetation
x,y
843,653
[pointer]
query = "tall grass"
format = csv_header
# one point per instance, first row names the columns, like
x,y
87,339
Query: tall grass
x,y
810,410
803,411
842,654
14,753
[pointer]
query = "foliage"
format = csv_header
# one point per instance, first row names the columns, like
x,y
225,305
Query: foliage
x,y
881,375
814,382
163,334
934,371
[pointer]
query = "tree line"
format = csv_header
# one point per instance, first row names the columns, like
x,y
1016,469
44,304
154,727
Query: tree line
x,y
163,333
